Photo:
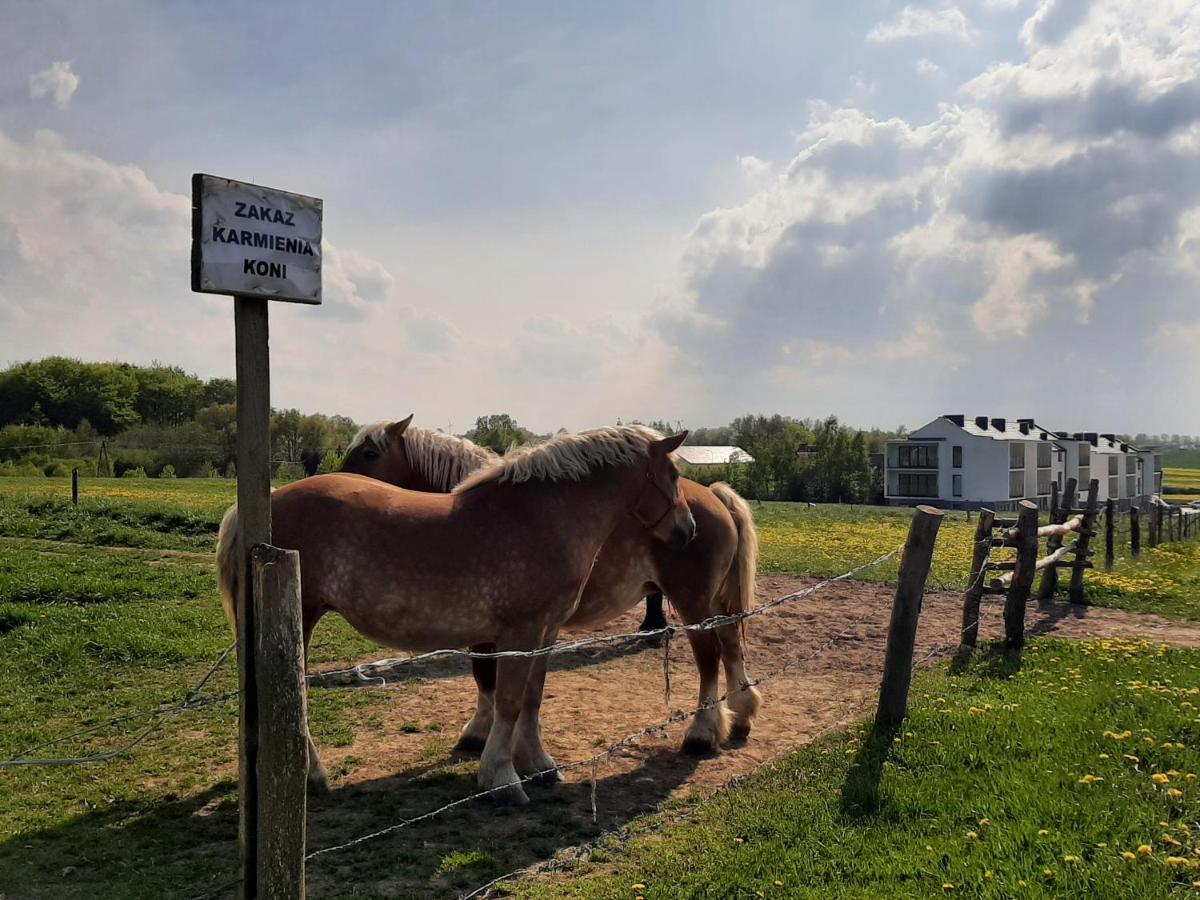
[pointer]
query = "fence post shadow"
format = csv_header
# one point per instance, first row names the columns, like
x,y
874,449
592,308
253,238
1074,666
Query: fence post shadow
x,y
861,790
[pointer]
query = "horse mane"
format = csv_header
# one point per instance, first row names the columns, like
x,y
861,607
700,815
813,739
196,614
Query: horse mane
x,y
442,459
566,457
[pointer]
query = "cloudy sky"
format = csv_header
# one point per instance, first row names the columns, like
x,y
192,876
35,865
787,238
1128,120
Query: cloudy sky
x,y
578,212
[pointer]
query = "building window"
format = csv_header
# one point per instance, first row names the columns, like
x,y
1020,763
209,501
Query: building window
x,y
917,456
1043,482
1114,487
1043,456
1016,483
1130,465
918,485
957,479
1085,456
1016,455
1114,465
1131,486
957,455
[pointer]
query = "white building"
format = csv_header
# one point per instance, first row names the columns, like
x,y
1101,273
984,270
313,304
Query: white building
x,y
707,459
995,462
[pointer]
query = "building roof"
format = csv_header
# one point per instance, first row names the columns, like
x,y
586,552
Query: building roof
x,y
1002,429
712,456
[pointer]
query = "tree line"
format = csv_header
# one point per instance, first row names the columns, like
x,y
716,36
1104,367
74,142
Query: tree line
x,y
119,419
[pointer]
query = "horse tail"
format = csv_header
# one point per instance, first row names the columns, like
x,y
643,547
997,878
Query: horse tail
x,y
738,592
228,567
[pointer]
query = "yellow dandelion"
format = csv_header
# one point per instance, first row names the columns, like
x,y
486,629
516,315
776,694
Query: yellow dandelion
x,y
1170,841
1104,756
1175,793
1160,778
1177,862
639,886
1131,758
1042,832
947,886
1145,849
1128,855
989,874
1072,858
972,835
984,823
1089,779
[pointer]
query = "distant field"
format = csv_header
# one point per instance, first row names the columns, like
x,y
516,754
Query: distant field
x,y
1183,459
1181,483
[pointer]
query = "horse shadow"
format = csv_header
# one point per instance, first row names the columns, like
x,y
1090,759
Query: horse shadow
x,y
188,847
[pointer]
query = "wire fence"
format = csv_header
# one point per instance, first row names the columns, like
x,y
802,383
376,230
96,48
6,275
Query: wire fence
x,y
378,672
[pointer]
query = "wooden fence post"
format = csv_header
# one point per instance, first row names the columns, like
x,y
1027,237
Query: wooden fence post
x,y
1087,529
1135,532
282,737
1022,581
906,609
1049,583
254,513
1155,516
974,591
1110,509
75,487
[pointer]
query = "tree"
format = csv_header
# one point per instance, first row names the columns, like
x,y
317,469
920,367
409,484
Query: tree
x,y
499,432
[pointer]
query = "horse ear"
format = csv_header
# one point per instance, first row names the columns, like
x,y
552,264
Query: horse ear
x,y
398,428
670,444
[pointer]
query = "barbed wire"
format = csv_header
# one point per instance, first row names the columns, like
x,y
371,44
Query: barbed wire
x,y
160,714
378,670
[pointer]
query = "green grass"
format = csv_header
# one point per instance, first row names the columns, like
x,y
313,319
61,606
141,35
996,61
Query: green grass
x,y
981,794
1183,459
88,634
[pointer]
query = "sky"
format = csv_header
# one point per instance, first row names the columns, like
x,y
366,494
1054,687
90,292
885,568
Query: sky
x,y
579,213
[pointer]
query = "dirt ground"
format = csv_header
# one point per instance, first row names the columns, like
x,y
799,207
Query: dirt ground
x,y
595,698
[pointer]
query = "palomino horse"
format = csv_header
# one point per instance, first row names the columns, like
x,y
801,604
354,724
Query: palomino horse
x,y
713,575
503,559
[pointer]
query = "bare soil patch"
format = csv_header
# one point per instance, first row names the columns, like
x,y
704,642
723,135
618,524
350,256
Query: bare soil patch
x,y
829,647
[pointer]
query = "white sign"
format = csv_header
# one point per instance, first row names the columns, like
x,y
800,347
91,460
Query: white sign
x,y
255,241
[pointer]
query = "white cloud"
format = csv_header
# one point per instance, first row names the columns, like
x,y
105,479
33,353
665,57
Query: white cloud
x,y
918,21
928,68
1061,195
56,81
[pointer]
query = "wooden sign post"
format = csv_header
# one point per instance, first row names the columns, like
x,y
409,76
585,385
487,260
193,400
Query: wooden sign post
x,y
258,244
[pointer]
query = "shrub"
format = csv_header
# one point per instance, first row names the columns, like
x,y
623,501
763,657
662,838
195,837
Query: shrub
x,y
289,471
331,462
139,472
168,471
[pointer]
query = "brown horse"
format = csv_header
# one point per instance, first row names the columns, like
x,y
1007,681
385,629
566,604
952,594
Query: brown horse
x,y
503,559
713,575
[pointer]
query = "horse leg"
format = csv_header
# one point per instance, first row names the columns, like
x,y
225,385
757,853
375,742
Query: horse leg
x,y
709,726
529,756
475,733
741,698
318,778
655,617
496,771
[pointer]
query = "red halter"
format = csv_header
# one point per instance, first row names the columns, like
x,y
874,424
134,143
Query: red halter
x,y
645,523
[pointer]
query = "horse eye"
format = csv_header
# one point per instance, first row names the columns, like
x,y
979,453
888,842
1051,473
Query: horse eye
x,y
371,455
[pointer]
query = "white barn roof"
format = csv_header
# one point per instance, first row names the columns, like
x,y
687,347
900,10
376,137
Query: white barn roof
x,y
712,456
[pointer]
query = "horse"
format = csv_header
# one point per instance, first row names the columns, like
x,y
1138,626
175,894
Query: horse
x,y
712,575
501,560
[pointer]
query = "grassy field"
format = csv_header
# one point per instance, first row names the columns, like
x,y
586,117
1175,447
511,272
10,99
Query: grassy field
x,y
1181,485
1073,775
111,607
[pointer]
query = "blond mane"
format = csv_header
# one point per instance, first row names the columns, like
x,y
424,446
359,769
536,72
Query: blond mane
x,y
443,459
566,457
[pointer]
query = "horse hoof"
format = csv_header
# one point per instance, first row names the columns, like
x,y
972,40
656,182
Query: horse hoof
x,y
550,778
739,734
469,747
694,746
509,795
318,782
